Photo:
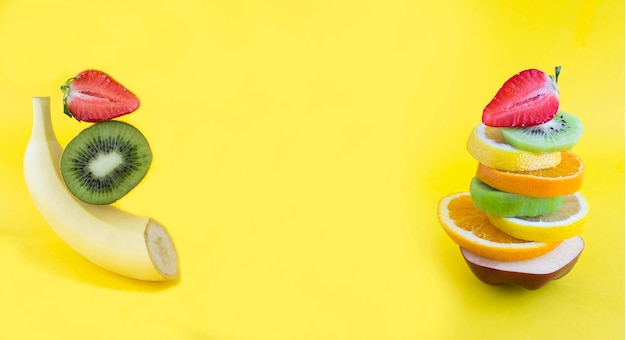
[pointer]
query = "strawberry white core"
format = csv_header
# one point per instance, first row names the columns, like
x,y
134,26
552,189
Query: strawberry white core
x,y
104,163
89,95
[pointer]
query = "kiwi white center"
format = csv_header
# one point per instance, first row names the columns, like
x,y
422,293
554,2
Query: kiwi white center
x,y
104,163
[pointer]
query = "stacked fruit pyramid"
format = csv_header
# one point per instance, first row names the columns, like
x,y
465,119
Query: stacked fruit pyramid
x,y
520,222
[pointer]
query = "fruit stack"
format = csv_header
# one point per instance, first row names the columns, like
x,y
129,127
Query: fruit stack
x,y
105,161
520,221
73,187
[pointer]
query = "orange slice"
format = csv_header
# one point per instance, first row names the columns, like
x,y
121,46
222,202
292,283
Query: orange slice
x,y
488,146
563,179
472,230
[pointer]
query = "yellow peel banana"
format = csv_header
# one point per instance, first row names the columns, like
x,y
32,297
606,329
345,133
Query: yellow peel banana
x,y
124,243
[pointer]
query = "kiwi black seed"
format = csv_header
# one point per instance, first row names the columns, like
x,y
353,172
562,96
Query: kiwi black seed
x,y
559,134
105,161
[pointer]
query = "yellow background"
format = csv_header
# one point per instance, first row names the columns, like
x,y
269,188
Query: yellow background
x,y
300,150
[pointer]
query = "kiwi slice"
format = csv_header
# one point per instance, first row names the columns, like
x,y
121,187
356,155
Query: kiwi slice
x,y
105,161
560,133
504,204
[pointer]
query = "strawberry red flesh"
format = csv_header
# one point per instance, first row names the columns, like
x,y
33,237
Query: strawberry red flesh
x,y
529,98
94,96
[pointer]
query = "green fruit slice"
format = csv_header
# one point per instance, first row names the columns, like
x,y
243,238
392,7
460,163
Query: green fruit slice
x,y
560,133
105,161
499,203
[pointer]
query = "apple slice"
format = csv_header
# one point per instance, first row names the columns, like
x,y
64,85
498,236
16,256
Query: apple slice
x,y
530,274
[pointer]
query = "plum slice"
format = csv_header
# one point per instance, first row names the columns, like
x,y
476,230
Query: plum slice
x,y
530,274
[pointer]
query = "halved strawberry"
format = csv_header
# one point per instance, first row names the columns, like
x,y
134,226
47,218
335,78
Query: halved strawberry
x,y
94,96
529,98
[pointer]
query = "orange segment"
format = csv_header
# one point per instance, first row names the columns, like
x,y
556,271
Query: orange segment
x,y
563,179
472,230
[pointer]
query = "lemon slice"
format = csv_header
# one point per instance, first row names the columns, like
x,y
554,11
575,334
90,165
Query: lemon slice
x,y
487,146
564,223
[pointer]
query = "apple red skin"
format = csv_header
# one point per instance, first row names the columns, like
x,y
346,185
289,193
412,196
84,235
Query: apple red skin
x,y
529,281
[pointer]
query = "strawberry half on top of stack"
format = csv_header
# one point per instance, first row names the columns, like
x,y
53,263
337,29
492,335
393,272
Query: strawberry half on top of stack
x,y
520,222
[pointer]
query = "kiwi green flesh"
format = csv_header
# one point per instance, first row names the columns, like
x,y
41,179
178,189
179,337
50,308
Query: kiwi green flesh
x,y
105,161
560,133
504,204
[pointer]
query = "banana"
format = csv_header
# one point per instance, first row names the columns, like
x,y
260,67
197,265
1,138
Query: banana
x,y
124,243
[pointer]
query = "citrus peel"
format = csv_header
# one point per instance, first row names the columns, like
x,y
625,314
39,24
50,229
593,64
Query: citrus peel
x,y
487,146
564,223
564,179
471,229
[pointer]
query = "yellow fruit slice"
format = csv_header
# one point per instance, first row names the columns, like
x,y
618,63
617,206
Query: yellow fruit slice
x,y
472,230
563,179
487,145
564,223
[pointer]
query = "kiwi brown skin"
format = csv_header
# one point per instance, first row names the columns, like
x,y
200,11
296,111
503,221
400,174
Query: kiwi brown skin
x,y
101,140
